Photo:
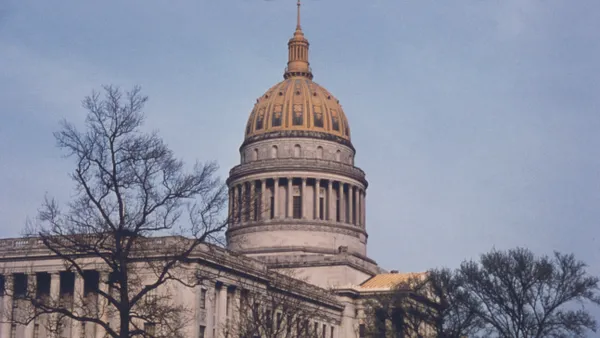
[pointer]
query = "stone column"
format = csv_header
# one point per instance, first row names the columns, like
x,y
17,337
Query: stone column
x,y
252,201
350,203
263,200
342,203
78,302
6,307
55,297
290,206
359,208
231,199
356,206
102,304
244,202
317,208
234,204
276,197
235,308
221,311
304,198
364,209
32,286
330,204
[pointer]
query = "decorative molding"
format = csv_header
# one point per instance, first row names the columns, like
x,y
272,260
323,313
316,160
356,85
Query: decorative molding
x,y
295,225
281,165
297,133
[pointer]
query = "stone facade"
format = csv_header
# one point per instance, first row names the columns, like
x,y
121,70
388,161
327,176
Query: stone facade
x,y
212,302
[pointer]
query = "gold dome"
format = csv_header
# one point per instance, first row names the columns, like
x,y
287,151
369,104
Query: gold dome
x,y
297,106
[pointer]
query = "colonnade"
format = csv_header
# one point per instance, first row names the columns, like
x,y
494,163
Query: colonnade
x,y
228,303
304,198
21,284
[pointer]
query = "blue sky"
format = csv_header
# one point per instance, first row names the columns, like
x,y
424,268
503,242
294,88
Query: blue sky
x,y
476,121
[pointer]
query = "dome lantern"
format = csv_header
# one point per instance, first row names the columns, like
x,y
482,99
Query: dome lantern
x,y
298,64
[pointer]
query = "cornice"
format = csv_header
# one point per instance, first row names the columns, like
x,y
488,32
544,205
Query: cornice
x,y
296,225
297,133
281,165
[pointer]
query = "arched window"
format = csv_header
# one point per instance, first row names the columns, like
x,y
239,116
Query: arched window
x,y
338,155
297,150
255,155
274,152
319,152
350,160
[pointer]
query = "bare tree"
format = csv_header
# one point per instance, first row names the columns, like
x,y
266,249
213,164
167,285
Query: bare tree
x,y
443,306
137,216
284,309
520,295
402,311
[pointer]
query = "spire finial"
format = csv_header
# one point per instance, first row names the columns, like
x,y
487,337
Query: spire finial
x,y
298,53
298,22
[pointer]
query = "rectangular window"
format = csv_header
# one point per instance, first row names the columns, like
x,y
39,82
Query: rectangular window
x,y
324,330
361,331
321,208
272,207
297,211
257,207
203,299
269,320
201,331
150,329
316,329
278,320
331,335
337,210
354,211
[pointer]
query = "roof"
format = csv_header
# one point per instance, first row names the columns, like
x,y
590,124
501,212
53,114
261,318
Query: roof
x,y
386,281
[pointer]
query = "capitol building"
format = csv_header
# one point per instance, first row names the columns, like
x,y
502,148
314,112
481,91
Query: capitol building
x,y
308,224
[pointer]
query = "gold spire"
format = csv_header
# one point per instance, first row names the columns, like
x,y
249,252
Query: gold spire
x,y
298,28
298,64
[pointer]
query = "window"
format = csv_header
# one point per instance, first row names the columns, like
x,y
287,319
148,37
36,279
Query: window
x,y
269,320
255,155
324,330
297,150
150,329
321,208
362,331
274,152
201,331
256,206
151,297
331,335
278,320
338,155
272,207
319,152
203,299
316,329
19,285
337,210
297,211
